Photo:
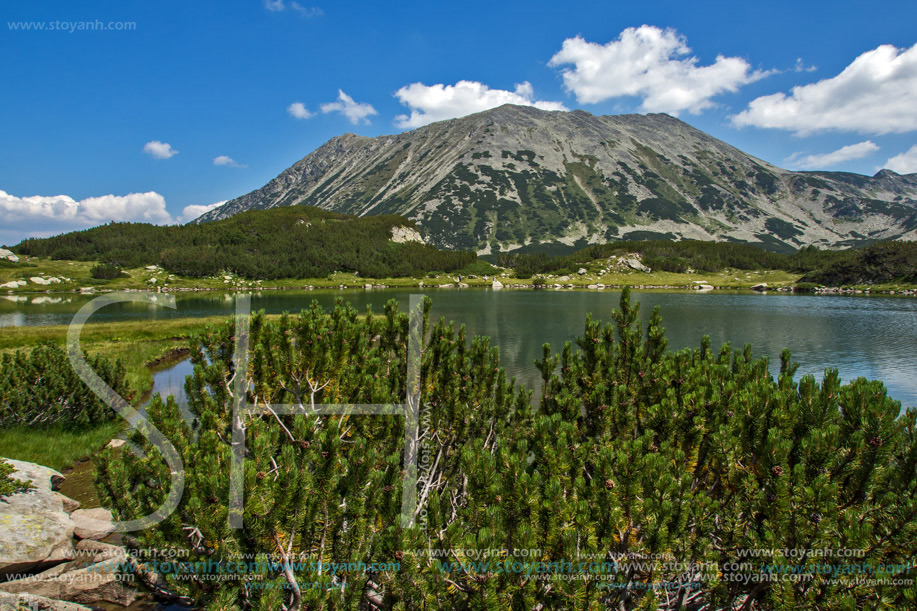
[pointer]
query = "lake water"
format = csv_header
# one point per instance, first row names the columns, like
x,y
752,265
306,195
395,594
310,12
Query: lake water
x,y
873,337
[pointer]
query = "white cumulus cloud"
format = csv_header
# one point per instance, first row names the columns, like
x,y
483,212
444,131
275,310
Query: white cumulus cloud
x,y
226,160
49,214
193,211
298,110
905,163
875,94
652,64
429,103
827,160
356,112
159,150
46,215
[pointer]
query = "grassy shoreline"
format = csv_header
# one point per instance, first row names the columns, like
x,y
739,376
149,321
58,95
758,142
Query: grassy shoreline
x,y
56,447
136,344
75,278
144,349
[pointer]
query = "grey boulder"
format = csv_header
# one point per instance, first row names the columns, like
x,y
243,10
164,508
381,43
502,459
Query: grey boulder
x,y
94,523
37,532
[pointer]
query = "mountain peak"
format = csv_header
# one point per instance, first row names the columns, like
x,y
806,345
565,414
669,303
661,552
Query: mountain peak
x,y
518,177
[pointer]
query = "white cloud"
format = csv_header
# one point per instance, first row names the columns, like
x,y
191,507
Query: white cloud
x,y
652,64
58,213
277,6
802,67
356,112
827,160
905,163
226,160
159,150
429,103
299,111
875,94
46,215
306,11
193,211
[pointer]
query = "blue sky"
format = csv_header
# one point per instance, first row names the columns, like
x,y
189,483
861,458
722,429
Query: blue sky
x,y
175,104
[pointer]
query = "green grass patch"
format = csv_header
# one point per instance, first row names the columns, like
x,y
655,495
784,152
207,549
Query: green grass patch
x,y
138,344
135,343
57,447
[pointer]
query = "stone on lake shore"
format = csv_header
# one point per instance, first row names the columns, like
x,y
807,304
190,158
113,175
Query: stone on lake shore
x,y
70,505
96,523
37,532
37,603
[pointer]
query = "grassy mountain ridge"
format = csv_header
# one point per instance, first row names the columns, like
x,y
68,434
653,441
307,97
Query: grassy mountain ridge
x,y
518,177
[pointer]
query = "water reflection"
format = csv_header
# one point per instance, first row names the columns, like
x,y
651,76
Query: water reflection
x,y
872,337
171,381
16,319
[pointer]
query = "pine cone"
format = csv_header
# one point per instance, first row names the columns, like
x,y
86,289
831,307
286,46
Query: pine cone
x,y
776,470
609,484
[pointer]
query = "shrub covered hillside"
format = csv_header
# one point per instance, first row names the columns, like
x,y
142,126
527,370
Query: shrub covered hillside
x,y
881,262
288,242
886,262
647,479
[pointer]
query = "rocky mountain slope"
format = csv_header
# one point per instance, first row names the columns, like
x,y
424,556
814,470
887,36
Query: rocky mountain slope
x,y
517,176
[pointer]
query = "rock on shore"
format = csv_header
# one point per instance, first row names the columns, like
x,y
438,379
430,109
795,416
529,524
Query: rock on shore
x,y
47,543
37,532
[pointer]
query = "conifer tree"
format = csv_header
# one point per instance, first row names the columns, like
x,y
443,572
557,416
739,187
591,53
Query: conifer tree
x,y
39,387
650,467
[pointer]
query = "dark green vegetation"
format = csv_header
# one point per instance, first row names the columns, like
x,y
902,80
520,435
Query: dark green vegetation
x,y
40,387
637,454
105,271
139,346
885,262
664,255
879,263
47,414
8,484
298,242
